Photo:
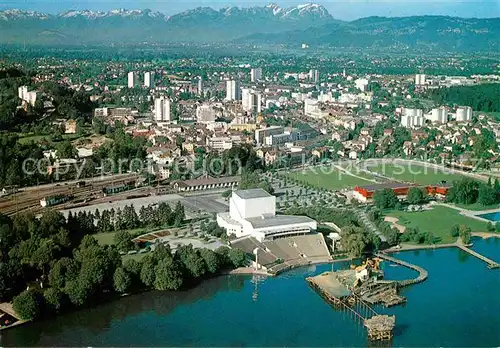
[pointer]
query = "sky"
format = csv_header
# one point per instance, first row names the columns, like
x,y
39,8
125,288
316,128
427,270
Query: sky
x,y
340,9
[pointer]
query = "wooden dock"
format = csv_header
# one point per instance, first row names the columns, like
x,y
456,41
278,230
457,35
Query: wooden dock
x,y
379,327
422,273
491,264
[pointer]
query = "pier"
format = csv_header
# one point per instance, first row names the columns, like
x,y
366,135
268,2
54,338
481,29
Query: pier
x,y
491,264
422,273
379,327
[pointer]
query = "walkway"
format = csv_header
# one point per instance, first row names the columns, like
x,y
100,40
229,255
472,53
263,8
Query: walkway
x,y
423,274
369,225
491,264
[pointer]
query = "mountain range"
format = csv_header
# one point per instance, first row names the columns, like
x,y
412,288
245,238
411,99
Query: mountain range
x,y
271,24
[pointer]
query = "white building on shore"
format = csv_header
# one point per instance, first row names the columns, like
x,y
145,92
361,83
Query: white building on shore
x,y
253,213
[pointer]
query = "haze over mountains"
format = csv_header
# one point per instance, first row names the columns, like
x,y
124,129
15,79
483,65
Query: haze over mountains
x,y
271,24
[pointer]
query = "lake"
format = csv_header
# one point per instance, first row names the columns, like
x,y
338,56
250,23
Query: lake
x,y
458,305
491,216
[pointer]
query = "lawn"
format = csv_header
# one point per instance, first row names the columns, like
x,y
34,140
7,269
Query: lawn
x,y
105,238
438,221
415,173
478,206
25,139
328,178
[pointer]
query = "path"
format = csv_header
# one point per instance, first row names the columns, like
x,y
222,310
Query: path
x,y
491,264
369,225
422,273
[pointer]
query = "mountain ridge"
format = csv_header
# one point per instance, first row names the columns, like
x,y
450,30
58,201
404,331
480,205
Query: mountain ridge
x,y
271,24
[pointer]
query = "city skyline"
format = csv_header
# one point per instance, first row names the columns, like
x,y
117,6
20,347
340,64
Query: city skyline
x,y
343,10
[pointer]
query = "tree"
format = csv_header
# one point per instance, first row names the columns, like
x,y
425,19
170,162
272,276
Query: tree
x,y
148,271
63,270
28,305
497,226
490,227
121,280
354,244
237,257
455,231
123,241
168,276
385,199
392,236
486,195
191,260
54,299
211,259
416,195
465,234
77,291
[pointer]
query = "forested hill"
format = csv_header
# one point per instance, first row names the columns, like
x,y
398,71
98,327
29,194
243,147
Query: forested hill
x,y
484,97
310,24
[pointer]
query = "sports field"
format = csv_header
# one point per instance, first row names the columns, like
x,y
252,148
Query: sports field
x,y
438,221
328,178
415,173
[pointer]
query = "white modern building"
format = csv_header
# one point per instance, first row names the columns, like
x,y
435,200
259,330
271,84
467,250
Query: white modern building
x,y
464,114
438,115
361,84
149,79
412,118
26,96
253,213
131,79
420,79
251,100
255,74
262,133
205,113
162,109
200,85
314,75
233,90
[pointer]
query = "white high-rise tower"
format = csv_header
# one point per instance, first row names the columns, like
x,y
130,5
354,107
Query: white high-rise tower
x,y
233,90
148,79
132,79
162,109
255,74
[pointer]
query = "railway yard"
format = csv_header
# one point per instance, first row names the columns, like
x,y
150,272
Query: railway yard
x,y
90,196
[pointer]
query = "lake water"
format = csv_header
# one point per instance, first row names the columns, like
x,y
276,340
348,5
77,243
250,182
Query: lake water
x,y
491,216
458,305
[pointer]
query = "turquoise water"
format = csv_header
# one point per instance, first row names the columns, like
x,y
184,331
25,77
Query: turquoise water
x,y
491,216
457,306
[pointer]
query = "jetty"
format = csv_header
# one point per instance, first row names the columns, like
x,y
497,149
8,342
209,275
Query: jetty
x,y
331,287
491,264
422,273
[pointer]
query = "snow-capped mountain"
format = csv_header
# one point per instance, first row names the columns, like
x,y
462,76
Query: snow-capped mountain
x,y
271,24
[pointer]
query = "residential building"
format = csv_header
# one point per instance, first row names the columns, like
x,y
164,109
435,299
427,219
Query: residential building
x,y
162,109
464,114
131,79
205,113
262,133
420,79
438,115
255,74
233,90
149,79
314,75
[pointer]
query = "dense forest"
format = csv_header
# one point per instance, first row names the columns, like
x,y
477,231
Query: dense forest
x,y
483,97
64,267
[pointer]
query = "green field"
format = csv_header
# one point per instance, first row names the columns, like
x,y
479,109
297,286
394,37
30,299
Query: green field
x,y
328,178
25,139
105,238
477,206
438,221
415,173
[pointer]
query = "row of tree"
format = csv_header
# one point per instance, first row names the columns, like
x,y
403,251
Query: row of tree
x,y
469,191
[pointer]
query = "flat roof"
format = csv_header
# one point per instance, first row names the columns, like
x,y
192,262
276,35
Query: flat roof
x,y
208,181
252,193
387,185
278,220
